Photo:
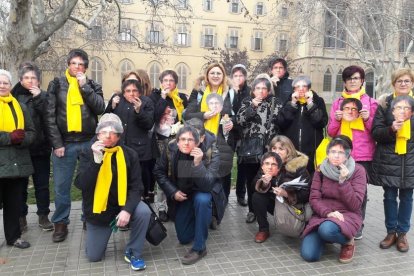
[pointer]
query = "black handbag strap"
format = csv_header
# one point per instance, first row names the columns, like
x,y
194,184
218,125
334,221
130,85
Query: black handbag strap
x,y
149,206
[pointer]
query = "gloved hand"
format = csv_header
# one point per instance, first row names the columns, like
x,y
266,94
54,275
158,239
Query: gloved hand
x,y
17,136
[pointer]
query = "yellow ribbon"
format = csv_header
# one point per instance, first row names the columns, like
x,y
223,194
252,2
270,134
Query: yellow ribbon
x,y
7,122
177,101
104,180
73,104
211,124
357,95
403,135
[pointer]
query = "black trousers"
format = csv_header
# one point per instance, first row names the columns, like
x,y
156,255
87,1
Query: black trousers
x,y
240,182
226,182
11,190
250,170
262,204
148,177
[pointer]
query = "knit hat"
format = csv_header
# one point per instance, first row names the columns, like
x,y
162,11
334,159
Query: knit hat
x,y
240,67
110,120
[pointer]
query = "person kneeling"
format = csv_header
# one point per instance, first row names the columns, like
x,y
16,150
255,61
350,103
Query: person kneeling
x,y
186,176
110,179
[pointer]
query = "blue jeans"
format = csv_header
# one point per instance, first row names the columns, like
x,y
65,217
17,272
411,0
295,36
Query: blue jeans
x,y
97,236
41,165
63,170
313,243
192,219
397,216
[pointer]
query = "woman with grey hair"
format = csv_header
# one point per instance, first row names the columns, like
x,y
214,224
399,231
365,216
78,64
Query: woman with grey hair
x,y
255,118
17,132
393,163
303,118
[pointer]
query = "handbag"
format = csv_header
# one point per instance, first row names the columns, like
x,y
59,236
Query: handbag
x,y
250,150
290,220
219,201
320,153
156,231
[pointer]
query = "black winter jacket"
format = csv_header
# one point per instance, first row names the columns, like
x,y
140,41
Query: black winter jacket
x,y
304,124
136,125
284,88
203,176
160,104
56,123
37,108
389,168
86,182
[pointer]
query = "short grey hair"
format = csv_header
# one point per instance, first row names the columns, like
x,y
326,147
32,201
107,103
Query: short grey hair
x,y
7,74
306,79
29,66
402,98
266,81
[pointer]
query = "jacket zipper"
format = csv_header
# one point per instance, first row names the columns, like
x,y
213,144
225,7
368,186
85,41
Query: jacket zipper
x,y
300,128
403,172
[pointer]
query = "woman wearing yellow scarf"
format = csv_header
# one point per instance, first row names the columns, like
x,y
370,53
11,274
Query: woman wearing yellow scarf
x,y
17,132
359,130
393,164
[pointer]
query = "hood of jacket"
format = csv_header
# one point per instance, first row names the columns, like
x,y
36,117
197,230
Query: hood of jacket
x,y
297,163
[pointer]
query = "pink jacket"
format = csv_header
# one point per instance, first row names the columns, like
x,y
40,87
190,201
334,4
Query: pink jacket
x,y
362,142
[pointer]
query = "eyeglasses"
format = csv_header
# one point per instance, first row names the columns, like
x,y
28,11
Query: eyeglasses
x,y
278,68
29,78
107,133
184,140
260,88
401,82
403,108
335,152
80,64
270,164
353,109
301,86
131,91
4,83
353,79
215,73
168,80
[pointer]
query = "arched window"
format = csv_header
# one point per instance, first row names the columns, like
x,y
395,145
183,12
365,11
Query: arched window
x,y
96,69
327,80
369,83
339,86
126,65
154,74
182,72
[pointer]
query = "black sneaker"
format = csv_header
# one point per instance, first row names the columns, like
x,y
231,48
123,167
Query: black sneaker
x,y
193,256
22,244
45,223
242,201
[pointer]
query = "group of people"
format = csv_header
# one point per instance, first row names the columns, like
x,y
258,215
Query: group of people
x,y
186,144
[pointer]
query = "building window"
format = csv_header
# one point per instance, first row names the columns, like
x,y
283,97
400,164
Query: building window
x,y
260,8
372,26
257,41
182,36
126,66
155,34
208,38
208,5
283,11
96,32
339,85
126,31
335,35
235,6
154,74
327,81
283,43
233,39
182,4
96,70
182,73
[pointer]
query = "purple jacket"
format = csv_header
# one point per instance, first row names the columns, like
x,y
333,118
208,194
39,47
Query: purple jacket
x,y
363,144
346,198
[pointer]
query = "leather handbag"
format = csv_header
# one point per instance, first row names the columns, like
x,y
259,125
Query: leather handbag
x,y
156,231
290,220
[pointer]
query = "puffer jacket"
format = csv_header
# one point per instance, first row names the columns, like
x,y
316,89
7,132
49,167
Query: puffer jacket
x,y
389,168
37,107
137,126
363,143
86,182
283,88
15,160
303,124
56,123
328,195
203,176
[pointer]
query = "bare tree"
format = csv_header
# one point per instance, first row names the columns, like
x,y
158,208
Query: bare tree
x,y
377,33
28,27
228,58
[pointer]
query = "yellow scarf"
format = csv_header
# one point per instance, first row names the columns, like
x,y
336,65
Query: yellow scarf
x,y
354,95
302,100
73,104
104,180
213,123
178,102
403,134
7,122
347,127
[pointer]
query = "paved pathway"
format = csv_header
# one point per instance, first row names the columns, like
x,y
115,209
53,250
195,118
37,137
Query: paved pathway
x,y
231,251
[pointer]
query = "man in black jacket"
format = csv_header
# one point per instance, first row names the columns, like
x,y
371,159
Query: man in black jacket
x,y
186,176
73,105
110,179
280,78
